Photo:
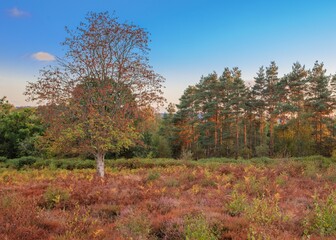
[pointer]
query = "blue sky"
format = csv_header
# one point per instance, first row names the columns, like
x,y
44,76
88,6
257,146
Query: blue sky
x,y
190,38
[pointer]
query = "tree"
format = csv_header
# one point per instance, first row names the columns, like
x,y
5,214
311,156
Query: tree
x,y
320,101
19,129
92,99
207,100
271,99
237,100
259,104
186,120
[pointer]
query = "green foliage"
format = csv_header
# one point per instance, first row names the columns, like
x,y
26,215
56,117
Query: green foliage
x,y
265,212
152,176
3,159
237,204
196,227
68,164
55,197
19,131
161,147
323,217
262,150
19,163
246,153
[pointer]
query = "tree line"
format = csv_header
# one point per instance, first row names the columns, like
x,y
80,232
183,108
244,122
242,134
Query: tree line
x,y
284,116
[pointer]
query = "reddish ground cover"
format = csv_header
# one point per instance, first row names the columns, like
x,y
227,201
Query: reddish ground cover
x,y
287,200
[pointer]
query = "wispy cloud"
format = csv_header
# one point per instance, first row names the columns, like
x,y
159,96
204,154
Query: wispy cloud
x,y
16,12
43,56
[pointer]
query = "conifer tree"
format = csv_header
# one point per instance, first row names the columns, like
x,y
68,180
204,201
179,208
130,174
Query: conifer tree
x,y
259,104
320,103
271,99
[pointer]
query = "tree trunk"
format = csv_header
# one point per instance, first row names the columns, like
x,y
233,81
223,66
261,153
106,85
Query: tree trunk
x,y
237,139
271,130
262,138
100,157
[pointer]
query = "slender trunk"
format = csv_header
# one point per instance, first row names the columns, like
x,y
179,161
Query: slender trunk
x,y
261,129
298,129
271,146
237,138
221,136
100,157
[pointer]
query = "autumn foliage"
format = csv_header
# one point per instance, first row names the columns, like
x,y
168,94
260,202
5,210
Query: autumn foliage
x,y
93,98
161,199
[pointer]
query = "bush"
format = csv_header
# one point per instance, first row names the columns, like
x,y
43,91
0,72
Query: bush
x,y
42,163
237,205
246,153
68,164
265,212
55,197
196,227
152,176
19,163
323,218
262,150
86,164
3,159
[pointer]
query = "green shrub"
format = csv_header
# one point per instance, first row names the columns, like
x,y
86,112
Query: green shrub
x,y
265,212
246,153
19,163
237,205
152,176
55,197
323,217
42,163
196,227
3,159
262,150
85,164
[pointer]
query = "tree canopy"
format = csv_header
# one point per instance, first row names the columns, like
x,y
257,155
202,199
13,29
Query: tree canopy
x,y
95,95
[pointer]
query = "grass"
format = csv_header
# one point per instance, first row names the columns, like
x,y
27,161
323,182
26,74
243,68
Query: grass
x,y
168,199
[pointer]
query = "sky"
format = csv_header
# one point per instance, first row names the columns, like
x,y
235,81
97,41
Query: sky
x,y
189,38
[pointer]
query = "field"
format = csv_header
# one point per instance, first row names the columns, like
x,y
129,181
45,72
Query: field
x,y
171,199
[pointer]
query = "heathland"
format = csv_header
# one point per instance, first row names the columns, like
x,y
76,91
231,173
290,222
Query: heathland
x,y
168,199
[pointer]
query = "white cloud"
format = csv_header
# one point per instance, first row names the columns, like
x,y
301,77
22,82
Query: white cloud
x,y
15,12
43,56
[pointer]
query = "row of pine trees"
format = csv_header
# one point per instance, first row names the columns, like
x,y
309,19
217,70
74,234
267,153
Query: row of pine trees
x,y
284,116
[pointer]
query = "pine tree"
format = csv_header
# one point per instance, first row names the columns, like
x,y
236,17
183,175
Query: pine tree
x,y
259,103
208,105
227,120
186,120
320,102
271,100
237,99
